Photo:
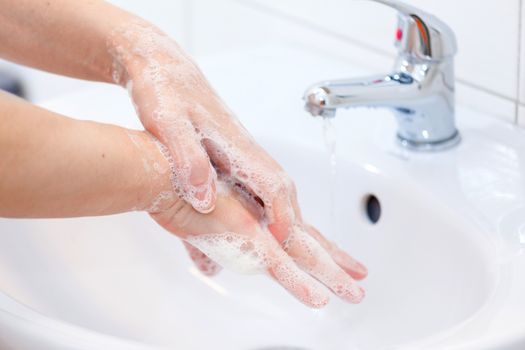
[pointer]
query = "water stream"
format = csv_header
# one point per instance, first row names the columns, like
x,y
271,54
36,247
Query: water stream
x,y
330,140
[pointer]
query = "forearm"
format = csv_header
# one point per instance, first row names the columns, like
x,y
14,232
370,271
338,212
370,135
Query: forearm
x,y
53,166
62,36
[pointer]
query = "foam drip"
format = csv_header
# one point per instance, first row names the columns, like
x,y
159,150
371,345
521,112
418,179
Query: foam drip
x,y
233,251
202,261
260,255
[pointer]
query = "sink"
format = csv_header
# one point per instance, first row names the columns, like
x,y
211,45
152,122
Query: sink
x,y
446,262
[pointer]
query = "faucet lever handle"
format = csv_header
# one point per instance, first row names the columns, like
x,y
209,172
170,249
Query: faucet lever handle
x,y
421,36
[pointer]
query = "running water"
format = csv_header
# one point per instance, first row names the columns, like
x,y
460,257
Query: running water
x,y
330,140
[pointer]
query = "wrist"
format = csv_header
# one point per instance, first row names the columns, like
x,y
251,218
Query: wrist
x,y
136,46
155,190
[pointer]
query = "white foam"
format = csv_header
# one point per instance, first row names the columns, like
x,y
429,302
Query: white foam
x,y
255,174
233,251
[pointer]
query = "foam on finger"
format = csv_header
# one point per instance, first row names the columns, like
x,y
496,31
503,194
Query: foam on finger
x,y
315,260
298,283
353,267
260,255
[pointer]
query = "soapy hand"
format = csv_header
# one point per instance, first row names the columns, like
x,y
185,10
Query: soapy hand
x,y
235,236
168,92
176,104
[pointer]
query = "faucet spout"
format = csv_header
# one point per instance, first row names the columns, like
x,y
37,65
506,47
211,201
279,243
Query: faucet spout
x,y
419,91
387,90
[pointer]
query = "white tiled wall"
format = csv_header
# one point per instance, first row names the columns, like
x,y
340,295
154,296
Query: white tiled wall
x,y
488,33
487,65
483,29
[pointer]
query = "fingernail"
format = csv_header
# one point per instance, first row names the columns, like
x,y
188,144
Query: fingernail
x,y
362,269
358,269
353,267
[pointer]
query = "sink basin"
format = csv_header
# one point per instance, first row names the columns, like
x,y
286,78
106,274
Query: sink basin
x,y
446,262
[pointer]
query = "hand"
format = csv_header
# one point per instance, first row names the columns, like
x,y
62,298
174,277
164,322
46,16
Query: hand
x,y
168,90
177,105
233,236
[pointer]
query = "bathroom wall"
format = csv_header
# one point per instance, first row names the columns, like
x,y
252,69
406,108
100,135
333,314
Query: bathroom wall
x,y
490,36
488,32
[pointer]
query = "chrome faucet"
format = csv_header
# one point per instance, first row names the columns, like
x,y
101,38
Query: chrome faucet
x,y
420,90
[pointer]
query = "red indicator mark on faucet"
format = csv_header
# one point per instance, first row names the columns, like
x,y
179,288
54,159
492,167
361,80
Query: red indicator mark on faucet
x,y
399,34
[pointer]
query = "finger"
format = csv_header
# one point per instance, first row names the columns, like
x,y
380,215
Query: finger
x,y
281,212
280,201
353,267
194,178
312,258
205,265
236,154
298,283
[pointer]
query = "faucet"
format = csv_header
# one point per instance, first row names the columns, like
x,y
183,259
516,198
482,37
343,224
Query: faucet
x,y
419,90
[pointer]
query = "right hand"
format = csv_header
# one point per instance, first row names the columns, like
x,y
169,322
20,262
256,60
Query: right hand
x,y
177,105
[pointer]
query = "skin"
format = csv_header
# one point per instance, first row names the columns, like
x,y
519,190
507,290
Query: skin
x,y
96,41
50,167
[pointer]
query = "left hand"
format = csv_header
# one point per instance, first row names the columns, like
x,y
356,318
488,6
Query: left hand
x,y
233,236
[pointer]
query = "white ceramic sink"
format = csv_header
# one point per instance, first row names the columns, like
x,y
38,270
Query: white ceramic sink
x,y
446,262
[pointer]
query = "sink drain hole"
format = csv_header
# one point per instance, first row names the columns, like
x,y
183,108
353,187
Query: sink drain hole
x,y
372,208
